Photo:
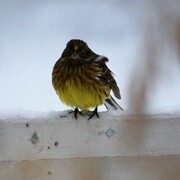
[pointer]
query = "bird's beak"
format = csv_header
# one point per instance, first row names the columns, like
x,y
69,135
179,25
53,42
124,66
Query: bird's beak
x,y
75,55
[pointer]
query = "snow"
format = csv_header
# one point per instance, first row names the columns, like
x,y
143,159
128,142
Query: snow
x,y
34,34
35,135
22,115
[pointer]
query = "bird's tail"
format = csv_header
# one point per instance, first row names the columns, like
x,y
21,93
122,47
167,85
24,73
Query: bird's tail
x,y
111,104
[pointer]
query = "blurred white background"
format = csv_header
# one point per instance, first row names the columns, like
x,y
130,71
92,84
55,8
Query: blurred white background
x,y
137,37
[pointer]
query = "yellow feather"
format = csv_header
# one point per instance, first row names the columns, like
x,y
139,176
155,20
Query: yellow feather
x,y
84,95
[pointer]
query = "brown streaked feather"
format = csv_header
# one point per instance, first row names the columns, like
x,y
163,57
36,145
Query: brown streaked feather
x,y
107,75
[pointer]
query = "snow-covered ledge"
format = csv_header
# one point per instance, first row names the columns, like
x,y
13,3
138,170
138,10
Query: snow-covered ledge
x,y
32,136
119,145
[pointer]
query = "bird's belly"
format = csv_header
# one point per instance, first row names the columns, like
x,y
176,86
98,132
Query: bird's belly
x,y
82,94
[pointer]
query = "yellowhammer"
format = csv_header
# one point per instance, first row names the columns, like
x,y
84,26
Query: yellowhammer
x,y
82,80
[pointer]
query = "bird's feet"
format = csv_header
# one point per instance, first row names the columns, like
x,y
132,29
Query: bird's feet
x,y
76,111
95,112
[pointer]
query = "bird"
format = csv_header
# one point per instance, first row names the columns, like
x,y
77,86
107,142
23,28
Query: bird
x,y
82,79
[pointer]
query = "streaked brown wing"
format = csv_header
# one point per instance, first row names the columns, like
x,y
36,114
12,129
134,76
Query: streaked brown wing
x,y
107,75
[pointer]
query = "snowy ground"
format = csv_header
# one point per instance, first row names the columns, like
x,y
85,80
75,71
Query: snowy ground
x,y
34,33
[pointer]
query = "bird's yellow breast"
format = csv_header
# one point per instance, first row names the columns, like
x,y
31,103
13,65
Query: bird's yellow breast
x,y
78,88
76,93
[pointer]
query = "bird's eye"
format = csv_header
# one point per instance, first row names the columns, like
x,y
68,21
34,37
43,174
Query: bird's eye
x,y
83,54
66,53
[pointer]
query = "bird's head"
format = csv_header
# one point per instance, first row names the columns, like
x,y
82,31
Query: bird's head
x,y
77,49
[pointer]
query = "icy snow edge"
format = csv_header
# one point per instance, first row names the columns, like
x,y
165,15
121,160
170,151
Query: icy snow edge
x,y
24,115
